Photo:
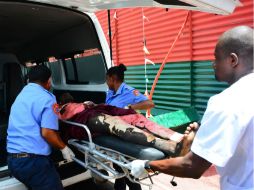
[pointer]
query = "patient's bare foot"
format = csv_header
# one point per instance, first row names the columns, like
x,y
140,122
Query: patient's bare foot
x,y
189,135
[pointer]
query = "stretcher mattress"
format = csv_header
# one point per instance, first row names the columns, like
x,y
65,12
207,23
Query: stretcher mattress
x,y
130,149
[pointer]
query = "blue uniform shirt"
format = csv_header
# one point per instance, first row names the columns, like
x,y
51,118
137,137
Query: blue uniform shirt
x,y
32,109
124,96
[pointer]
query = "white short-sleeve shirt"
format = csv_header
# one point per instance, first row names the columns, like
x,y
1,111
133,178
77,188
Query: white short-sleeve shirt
x,y
225,137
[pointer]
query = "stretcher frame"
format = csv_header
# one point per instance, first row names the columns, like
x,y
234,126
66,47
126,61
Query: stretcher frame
x,y
98,158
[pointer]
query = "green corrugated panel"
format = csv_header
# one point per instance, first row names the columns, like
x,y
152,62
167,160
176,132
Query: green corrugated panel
x,y
172,91
204,84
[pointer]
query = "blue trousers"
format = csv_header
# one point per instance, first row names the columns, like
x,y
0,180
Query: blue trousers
x,y
37,173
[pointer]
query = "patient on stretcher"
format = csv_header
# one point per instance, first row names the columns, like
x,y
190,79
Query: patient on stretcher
x,y
126,124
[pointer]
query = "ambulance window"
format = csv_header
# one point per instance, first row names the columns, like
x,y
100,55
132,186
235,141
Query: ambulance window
x,y
55,67
69,69
85,68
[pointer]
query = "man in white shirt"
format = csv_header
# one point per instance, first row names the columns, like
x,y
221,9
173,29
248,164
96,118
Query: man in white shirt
x,y
225,137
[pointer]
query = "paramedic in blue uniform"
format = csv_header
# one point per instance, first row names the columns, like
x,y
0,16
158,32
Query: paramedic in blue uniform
x,y
124,96
32,130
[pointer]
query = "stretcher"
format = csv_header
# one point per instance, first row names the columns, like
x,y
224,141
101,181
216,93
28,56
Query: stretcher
x,y
102,152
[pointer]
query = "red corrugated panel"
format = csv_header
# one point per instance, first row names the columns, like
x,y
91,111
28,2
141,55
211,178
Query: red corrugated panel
x,y
208,27
103,19
162,28
102,16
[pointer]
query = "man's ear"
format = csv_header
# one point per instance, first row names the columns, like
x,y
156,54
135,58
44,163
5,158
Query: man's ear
x,y
48,84
233,59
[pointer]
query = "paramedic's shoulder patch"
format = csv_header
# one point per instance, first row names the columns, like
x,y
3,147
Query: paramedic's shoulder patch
x,y
136,92
56,108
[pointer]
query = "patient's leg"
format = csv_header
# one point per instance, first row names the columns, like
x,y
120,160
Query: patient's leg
x,y
185,140
142,122
115,125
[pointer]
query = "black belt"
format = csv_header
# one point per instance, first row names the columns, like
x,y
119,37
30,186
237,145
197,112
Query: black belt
x,y
23,155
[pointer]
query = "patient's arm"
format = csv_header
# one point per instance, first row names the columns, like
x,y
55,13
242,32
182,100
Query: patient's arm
x,y
69,110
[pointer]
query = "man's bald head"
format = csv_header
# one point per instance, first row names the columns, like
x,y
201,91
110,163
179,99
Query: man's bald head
x,y
234,54
238,40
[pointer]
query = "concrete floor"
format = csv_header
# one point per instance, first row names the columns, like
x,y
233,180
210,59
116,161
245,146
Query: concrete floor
x,y
209,181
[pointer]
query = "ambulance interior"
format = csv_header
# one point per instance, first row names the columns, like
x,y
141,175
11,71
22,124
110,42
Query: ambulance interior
x,y
68,43
34,33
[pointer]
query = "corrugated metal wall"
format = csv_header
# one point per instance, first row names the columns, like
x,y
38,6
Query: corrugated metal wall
x,y
161,29
103,19
197,42
208,27
203,85
188,78
180,85
173,89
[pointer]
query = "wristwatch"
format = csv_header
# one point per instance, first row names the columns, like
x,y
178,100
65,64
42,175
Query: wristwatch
x,y
148,167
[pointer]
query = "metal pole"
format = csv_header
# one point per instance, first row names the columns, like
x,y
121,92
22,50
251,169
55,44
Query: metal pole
x,y
110,35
